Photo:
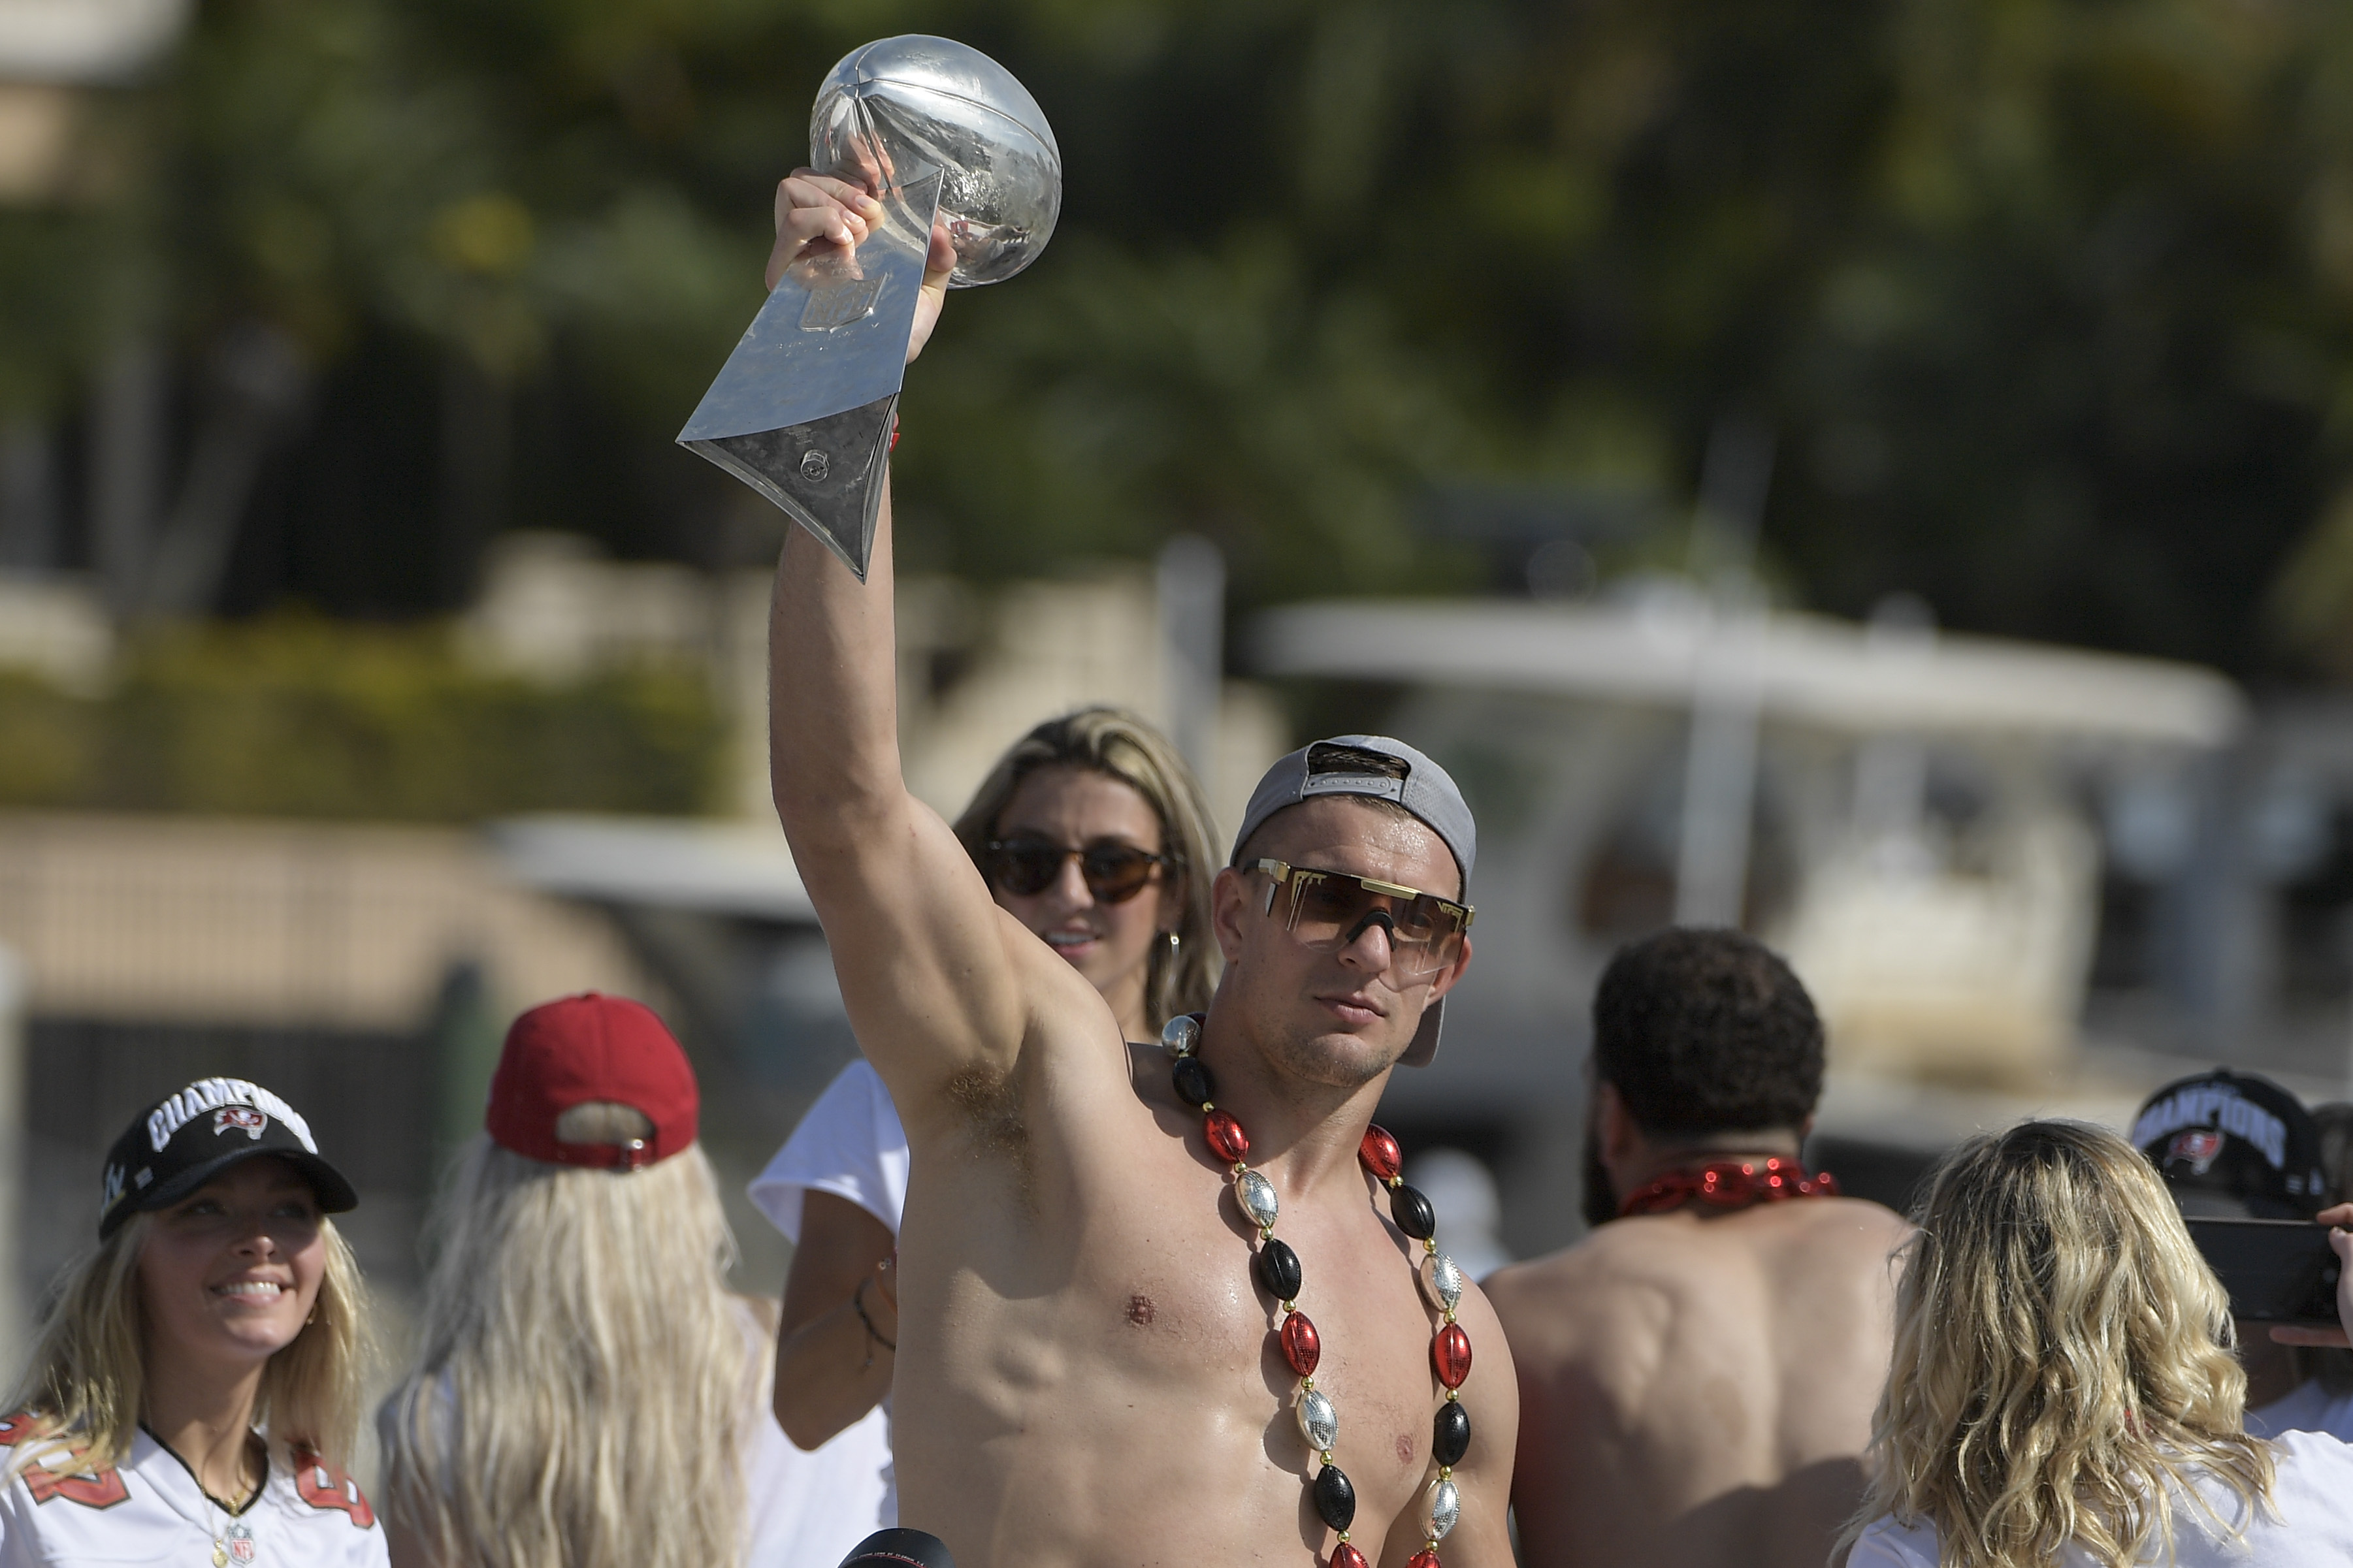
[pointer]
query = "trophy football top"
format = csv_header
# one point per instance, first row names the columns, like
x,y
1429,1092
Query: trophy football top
x,y
918,99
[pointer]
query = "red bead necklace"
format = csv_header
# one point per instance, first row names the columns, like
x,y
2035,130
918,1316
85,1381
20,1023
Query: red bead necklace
x,y
1278,1272
1730,1184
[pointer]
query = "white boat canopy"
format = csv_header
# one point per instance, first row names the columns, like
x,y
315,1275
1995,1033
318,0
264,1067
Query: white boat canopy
x,y
1809,669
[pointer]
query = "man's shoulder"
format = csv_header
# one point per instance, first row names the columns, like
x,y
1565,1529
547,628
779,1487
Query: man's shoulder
x,y
1606,1285
1867,1223
1639,1266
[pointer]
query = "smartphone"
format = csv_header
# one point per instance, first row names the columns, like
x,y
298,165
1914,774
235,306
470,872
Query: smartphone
x,y
2276,1270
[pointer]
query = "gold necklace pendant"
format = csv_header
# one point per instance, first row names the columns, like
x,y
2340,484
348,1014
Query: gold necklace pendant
x,y
220,1555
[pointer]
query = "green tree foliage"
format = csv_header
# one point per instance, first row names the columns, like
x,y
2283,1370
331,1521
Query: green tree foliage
x,y
2047,299
293,715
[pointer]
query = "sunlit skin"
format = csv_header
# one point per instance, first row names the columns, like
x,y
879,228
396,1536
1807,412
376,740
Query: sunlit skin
x,y
1086,1373
227,1277
829,1373
1697,1386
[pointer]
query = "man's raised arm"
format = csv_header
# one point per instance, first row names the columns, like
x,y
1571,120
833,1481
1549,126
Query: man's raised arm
x,y
921,949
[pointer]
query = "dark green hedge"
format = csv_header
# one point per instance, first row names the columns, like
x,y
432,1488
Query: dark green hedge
x,y
301,717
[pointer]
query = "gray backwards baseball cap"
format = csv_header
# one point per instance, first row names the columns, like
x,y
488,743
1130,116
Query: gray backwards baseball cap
x,y
1325,767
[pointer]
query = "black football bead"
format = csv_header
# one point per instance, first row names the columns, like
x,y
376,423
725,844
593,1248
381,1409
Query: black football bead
x,y
1413,1213
1449,1437
1194,1085
1278,1269
1335,1500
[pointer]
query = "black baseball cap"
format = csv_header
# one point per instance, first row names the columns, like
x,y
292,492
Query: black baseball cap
x,y
2232,1145
185,1140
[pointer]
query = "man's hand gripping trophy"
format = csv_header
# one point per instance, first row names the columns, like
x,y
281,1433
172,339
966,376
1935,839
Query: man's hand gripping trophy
x,y
822,219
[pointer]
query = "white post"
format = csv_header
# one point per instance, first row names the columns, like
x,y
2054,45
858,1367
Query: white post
x,y
16,1319
1191,584
1720,767
1720,778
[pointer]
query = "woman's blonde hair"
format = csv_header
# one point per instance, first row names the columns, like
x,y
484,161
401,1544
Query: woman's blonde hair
x,y
1116,742
587,1387
86,1382
2063,1364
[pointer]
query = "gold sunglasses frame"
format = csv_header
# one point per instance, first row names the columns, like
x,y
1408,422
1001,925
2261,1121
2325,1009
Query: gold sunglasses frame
x,y
1282,874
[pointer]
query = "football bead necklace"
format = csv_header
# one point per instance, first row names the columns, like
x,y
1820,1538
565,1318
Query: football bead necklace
x,y
1278,1273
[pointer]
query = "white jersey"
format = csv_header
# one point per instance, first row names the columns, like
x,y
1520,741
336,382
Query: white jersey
x,y
2312,1526
56,1513
851,1144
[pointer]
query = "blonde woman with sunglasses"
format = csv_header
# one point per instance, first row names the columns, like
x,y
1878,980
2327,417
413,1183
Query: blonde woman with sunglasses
x,y
2063,1393
1093,833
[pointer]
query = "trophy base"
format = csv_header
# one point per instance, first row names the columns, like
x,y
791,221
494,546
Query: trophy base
x,y
826,475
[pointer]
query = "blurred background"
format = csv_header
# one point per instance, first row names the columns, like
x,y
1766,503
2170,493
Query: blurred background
x,y
1875,472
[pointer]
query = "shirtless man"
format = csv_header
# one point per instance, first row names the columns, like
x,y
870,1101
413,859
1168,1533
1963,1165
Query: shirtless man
x,y
1089,1372
1698,1377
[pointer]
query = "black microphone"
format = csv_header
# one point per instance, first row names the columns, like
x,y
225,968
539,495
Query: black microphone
x,y
899,1548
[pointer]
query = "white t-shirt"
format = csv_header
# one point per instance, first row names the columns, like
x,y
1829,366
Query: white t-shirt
x,y
2310,1408
56,1514
850,1144
2312,1499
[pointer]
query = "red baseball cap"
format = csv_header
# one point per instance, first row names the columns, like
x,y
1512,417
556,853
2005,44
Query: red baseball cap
x,y
591,1048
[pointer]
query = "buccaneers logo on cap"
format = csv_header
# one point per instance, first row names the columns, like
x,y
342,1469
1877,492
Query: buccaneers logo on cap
x,y
250,1121
2198,1146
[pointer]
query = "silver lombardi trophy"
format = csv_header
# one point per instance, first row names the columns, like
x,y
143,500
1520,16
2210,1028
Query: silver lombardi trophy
x,y
803,410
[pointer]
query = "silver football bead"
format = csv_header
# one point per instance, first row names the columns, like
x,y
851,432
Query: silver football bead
x,y
1443,1279
1319,1423
1445,1510
1181,1035
1256,1194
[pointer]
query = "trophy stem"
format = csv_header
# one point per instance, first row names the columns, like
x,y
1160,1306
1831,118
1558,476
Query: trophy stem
x,y
827,474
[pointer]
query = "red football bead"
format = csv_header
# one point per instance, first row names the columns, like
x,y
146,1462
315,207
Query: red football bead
x,y
1347,1556
1450,1355
1302,1347
1423,1559
1226,1136
1379,1153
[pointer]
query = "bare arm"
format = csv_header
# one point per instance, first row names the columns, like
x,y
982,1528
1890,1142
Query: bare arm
x,y
926,959
829,1369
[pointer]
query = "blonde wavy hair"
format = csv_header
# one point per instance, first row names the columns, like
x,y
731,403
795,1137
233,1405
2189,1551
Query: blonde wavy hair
x,y
2063,1365
86,1381
587,1387
1115,741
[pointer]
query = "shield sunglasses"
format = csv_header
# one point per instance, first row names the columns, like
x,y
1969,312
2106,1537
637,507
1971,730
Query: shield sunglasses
x,y
1113,873
1331,909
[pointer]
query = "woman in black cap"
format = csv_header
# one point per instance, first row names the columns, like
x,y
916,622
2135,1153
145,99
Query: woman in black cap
x,y
196,1385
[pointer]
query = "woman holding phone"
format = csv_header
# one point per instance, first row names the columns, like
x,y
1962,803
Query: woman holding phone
x,y
2064,1390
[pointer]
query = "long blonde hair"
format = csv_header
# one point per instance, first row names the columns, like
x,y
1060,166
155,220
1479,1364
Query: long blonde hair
x,y
1116,742
2063,1364
586,1388
86,1381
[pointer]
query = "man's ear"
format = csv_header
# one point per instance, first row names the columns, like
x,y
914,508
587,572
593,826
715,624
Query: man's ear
x,y
1229,905
1617,1137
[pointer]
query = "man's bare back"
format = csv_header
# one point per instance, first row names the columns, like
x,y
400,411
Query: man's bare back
x,y
1696,1389
1087,1370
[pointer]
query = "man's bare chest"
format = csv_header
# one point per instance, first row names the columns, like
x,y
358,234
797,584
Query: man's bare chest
x,y
1146,1292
